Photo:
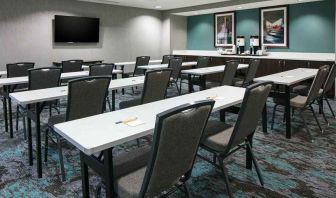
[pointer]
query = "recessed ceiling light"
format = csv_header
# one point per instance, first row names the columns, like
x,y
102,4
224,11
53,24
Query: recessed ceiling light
x,y
158,7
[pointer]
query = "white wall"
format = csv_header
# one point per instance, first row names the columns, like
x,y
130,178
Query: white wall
x,y
26,32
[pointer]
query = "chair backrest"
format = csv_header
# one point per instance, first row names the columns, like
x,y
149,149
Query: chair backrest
x,y
202,61
42,78
140,61
330,79
166,58
176,65
317,84
229,72
177,135
253,103
87,96
155,86
251,72
72,66
18,70
103,69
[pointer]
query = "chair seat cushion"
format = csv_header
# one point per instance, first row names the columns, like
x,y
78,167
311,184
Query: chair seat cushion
x,y
130,169
298,101
56,119
129,103
238,83
214,127
218,141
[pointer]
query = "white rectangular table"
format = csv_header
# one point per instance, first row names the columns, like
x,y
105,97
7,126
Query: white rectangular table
x,y
287,79
101,133
162,66
202,72
37,97
7,82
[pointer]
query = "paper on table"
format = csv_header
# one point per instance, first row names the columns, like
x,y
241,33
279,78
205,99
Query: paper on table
x,y
135,123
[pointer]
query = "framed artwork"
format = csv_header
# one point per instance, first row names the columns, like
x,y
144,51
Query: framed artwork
x,y
225,32
274,26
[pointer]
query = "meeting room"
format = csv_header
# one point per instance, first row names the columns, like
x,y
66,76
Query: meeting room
x,y
168,98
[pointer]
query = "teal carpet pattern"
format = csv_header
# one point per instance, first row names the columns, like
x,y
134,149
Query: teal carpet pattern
x,y
290,168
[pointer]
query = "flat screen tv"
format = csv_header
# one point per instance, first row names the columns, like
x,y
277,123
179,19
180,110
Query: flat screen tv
x,y
70,29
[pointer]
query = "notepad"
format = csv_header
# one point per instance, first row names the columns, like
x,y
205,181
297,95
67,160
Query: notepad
x,y
135,123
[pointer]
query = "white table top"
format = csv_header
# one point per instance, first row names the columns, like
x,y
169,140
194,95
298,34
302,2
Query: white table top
x,y
210,70
97,133
162,66
131,63
290,77
41,95
329,57
24,79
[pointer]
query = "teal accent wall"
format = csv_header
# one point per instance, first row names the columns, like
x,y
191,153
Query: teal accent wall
x,y
311,28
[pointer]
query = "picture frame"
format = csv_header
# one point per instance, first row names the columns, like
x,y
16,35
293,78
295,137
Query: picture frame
x,y
224,29
274,27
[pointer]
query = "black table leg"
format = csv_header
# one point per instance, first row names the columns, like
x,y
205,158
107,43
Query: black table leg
x,y
222,115
203,82
38,141
10,117
108,166
287,113
85,176
30,141
190,86
248,153
5,112
113,99
264,119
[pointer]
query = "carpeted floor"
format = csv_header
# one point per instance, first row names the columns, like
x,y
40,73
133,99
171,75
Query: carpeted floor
x,y
291,168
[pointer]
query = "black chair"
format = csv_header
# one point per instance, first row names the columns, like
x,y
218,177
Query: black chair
x,y
40,78
140,61
72,66
328,85
202,61
86,97
155,88
250,75
228,75
301,103
103,69
166,58
157,171
176,65
18,70
222,140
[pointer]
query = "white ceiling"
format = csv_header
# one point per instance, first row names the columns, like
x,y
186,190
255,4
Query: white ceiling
x,y
152,4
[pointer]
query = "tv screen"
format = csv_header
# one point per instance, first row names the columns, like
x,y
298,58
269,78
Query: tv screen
x,y
76,29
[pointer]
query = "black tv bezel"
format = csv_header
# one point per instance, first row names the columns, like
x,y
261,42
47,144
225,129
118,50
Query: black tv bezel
x,y
70,42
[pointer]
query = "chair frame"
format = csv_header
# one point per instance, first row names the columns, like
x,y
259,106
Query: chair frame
x,y
247,145
157,133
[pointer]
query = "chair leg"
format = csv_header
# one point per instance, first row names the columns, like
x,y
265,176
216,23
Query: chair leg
x,y
109,103
178,89
214,159
331,110
46,145
249,149
17,118
59,146
273,116
50,111
187,191
317,121
24,126
138,142
305,125
226,177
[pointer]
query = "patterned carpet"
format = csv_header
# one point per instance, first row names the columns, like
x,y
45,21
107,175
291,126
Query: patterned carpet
x,y
291,168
